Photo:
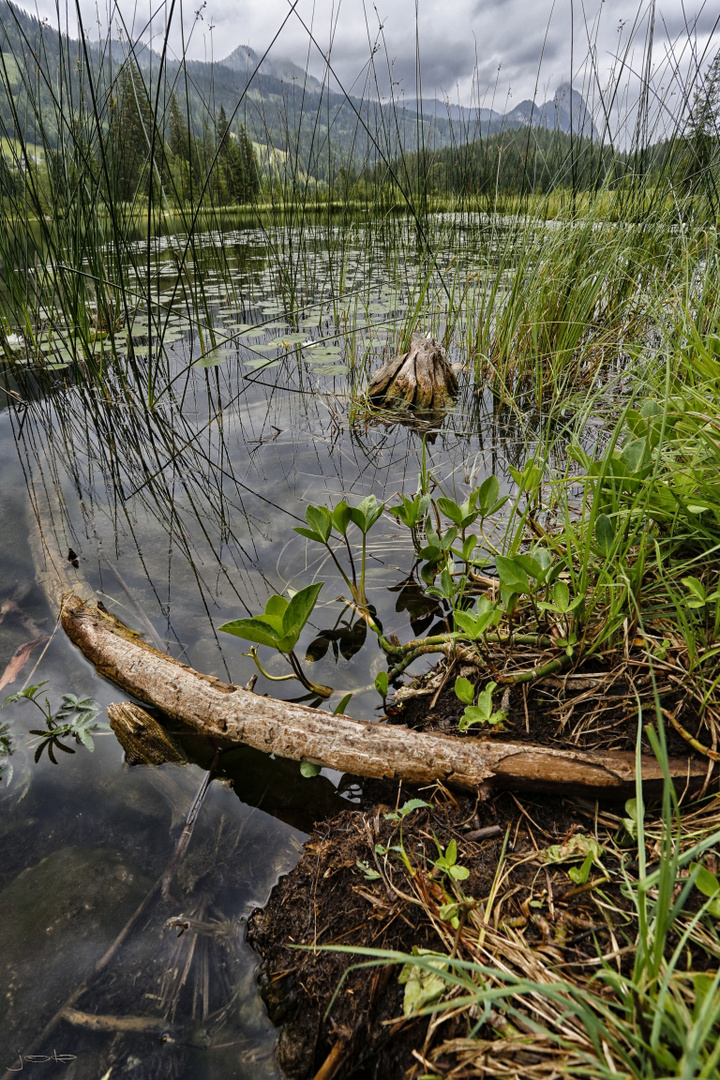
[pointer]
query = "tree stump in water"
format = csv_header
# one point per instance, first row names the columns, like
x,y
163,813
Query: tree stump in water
x,y
420,379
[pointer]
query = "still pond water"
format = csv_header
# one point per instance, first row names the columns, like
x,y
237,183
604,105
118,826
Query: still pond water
x,y
193,505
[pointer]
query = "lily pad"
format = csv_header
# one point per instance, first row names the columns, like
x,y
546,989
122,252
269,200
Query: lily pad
x,y
324,354
211,359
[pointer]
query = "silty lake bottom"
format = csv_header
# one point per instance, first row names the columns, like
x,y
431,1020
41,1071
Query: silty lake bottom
x,y
192,502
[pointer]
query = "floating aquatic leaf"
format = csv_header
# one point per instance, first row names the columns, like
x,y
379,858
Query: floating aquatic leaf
x,y
323,354
335,369
284,342
211,359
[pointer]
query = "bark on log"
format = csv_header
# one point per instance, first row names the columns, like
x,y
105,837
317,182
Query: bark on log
x,y
363,749
420,379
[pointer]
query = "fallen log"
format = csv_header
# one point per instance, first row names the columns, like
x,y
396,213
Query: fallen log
x,y
226,712
233,715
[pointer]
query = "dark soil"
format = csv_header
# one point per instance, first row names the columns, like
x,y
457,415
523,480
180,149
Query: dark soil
x,y
339,1019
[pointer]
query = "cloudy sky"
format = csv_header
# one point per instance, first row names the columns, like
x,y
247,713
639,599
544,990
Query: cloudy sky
x,y
491,52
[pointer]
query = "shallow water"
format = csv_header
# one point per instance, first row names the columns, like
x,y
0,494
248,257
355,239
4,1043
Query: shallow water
x,y
193,503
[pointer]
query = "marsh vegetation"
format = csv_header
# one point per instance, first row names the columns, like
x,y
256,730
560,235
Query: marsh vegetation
x,y
191,311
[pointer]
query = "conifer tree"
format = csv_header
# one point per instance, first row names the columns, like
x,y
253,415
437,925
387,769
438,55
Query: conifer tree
x,y
183,154
135,138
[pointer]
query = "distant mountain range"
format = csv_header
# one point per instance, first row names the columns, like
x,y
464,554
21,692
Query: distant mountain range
x,y
566,111
280,104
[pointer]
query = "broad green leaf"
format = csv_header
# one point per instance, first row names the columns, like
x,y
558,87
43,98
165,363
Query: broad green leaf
x,y
412,511
320,521
467,623
366,513
529,478
561,595
461,515
468,548
341,517
530,565
696,587
485,698
487,495
604,533
475,714
309,533
464,690
299,609
633,454
381,683
254,630
512,576
450,509
275,610
705,882
446,583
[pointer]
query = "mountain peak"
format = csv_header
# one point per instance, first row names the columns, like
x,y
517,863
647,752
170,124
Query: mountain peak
x,y
245,60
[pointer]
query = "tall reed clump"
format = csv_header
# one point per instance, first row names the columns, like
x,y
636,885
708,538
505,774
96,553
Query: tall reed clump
x,y
103,163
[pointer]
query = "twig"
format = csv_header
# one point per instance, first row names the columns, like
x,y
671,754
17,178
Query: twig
x,y
186,834
695,743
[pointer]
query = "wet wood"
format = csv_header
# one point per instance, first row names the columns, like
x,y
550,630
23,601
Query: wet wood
x,y
144,740
293,731
138,1025
420,379
232,715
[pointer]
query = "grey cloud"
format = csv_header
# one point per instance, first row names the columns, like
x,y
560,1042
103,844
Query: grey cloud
x,y
510,34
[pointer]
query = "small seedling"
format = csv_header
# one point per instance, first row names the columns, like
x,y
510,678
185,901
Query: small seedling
x,y
579,848
699,596
482,712
370,874
399,815
709,885
447,863
422,981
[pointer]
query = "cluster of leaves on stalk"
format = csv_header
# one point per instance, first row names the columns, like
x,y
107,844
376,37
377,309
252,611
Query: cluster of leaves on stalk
x,y
527,587
76,719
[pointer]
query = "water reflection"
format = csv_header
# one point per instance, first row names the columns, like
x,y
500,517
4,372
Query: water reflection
x,y
176,478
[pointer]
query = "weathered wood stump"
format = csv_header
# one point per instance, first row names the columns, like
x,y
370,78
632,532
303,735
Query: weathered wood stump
x,y
421,379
